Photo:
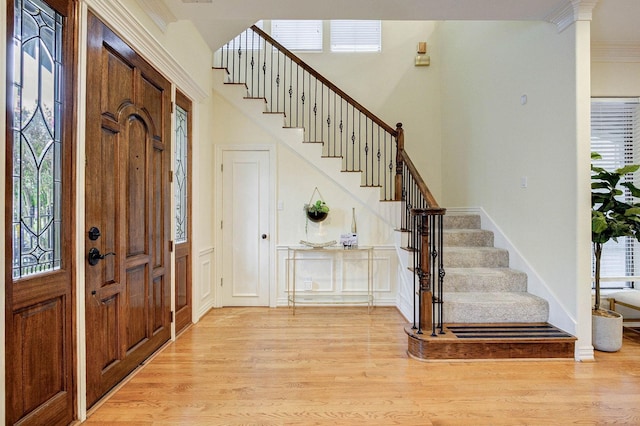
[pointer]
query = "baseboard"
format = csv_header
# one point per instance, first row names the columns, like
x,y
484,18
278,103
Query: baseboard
x,y
584,353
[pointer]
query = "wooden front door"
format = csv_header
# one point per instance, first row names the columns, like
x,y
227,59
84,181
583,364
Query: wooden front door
x,y
39,213
127,210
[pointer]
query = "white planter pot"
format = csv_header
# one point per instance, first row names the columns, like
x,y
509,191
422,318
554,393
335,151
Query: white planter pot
x,y
607,332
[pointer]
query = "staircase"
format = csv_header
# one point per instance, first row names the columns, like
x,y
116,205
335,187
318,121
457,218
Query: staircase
x,y
488,313
479,286
450,266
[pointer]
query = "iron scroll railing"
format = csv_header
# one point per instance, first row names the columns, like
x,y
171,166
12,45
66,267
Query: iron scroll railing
x,y
310,101
351,132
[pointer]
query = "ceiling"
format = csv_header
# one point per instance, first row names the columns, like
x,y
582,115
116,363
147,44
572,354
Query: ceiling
x,y
614,21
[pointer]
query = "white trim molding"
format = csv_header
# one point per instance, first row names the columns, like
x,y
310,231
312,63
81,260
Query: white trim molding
x,y
568,13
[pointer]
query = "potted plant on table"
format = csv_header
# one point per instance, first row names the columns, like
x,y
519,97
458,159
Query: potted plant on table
x,y
612,217
317,212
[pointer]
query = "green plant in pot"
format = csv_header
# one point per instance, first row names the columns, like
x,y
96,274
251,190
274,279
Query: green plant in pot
x,y
612,217
317,212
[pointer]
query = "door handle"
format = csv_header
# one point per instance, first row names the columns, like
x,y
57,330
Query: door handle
x,y
264,236
94,256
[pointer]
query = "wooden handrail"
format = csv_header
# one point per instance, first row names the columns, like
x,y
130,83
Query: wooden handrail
x,y
424,189
325,81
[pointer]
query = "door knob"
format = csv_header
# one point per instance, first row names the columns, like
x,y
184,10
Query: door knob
x,y
264,236
94,256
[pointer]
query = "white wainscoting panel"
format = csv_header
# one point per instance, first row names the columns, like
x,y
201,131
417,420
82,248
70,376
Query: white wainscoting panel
x,y
203,285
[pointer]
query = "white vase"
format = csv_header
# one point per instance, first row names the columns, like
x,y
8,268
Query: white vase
x,y
354,228
606,332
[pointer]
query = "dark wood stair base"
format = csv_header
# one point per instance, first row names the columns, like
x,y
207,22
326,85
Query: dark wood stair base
x,y
491,341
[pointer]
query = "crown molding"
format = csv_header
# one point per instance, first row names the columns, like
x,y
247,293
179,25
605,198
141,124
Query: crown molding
x,y
615,52
158,12
571,11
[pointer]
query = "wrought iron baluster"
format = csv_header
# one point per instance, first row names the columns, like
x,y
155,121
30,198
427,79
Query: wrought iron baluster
x,y
253,62
302,98
335,111
291,92
330,149
366,151
246,53
353,138
315,110
341,127
277,104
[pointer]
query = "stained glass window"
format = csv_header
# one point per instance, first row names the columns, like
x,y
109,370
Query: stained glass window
x,y
181,173
37,109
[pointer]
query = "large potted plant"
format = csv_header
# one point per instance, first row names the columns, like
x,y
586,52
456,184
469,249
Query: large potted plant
x,y
612,217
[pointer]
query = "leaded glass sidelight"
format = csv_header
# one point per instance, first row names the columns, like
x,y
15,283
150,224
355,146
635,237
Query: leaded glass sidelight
x,y
36,126
181,170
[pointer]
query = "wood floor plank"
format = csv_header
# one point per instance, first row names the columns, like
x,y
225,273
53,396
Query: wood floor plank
x,y
342,366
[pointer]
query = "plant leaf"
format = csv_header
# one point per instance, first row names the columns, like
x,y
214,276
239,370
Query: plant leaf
x,y
631,168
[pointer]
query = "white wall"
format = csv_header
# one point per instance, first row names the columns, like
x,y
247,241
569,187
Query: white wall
x,y
611,79
491,141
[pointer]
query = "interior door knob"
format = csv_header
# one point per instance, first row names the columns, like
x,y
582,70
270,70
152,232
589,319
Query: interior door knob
x,y
264,236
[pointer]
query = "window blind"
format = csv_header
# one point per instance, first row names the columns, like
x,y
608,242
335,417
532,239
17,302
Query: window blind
x,y
615,135
298,35
356,36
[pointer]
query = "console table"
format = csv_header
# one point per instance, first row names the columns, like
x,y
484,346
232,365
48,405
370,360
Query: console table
x,y
293,298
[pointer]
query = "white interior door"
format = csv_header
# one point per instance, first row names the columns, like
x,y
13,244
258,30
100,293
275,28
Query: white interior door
x,y
245,228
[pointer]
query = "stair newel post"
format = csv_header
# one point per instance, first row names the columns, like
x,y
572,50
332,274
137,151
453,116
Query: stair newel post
x,y
399,161
426,293
416,295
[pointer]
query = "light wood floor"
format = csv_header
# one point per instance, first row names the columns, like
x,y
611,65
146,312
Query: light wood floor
x,y
341,366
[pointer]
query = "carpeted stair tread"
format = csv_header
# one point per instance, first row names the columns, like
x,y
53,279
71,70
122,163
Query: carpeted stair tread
x,y
475,257
484,280
461,221
486,307
467,238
